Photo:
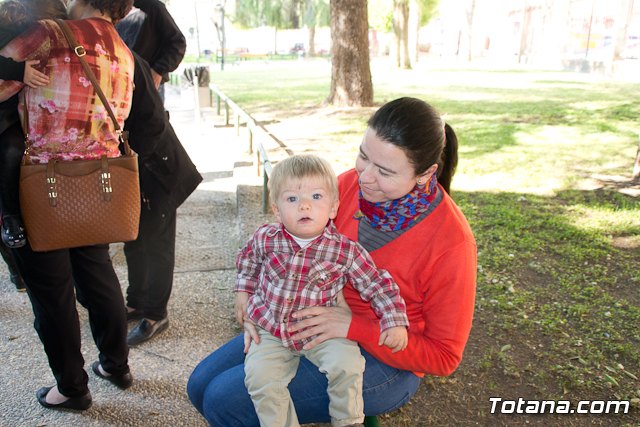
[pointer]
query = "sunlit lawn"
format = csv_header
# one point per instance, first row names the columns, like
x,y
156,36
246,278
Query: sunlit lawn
x,y
545,161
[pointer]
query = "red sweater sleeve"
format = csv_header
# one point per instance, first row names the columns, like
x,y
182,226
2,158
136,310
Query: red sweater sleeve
x,y
447,310
434,265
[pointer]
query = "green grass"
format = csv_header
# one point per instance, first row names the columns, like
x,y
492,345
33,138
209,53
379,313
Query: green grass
x,y
541,156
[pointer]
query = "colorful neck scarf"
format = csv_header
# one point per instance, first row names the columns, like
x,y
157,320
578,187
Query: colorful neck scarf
x,y
398,214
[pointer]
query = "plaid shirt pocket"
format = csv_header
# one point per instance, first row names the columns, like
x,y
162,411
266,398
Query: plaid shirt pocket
x,y
325,280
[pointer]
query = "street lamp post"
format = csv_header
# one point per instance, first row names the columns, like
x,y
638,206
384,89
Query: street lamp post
x,y
221,34
195,8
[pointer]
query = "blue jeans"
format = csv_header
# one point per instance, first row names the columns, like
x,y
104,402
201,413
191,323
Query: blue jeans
x,y
216,389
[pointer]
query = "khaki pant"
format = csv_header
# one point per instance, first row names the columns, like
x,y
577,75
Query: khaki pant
x,y
269,367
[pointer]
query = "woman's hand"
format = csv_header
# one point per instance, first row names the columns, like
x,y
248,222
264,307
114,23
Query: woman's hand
x,y
323,323
157,78
32,77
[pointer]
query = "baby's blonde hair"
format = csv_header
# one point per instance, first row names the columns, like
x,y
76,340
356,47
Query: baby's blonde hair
x,y
298,167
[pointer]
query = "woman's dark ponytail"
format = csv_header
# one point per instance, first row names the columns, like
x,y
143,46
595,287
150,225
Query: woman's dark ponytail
x,y
449,160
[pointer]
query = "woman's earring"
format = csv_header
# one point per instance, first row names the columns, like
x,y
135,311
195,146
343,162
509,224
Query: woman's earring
x,y
419,182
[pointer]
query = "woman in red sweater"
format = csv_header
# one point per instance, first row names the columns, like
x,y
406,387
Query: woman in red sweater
x,y
396,204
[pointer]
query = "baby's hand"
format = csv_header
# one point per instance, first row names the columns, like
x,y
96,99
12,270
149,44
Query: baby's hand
x,y
32,77
250,334
395,338
242,298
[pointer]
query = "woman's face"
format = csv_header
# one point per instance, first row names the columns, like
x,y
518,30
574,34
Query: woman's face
x,y
384,170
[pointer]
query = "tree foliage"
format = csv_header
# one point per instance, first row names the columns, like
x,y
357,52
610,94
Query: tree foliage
x,y
317,13
381,15
281,14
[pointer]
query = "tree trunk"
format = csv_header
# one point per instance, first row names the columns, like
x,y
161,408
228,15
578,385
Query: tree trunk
x,y
626,16
405,36
351,83
636,165
312,40
401,30
470,17
414,25
524,35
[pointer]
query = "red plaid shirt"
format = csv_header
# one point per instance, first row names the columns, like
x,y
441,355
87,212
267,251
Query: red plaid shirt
x,y
283,278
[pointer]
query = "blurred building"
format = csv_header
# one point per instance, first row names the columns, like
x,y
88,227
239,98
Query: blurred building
x,y
574,34
580,35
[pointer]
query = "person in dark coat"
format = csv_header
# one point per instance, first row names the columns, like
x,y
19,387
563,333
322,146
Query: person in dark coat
x,y
167,178
150,31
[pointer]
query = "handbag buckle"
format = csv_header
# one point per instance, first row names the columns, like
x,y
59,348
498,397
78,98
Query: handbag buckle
x,y
105,181
53,191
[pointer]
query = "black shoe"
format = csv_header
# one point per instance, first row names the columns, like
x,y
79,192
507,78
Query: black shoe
x,y
13,234
77,403
145,330
121,381
135,314
16,279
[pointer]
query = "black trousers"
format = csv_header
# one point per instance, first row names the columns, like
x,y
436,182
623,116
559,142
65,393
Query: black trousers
x,y
151,259
50,278
11,150
9,259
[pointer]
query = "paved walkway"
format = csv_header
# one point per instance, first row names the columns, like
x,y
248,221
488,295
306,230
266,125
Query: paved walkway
x,y
211,226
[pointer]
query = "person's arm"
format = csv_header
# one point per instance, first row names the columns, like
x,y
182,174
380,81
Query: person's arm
x,y
378,288
147,122
172,42
10,69
22,71
30,44
447,311
249,263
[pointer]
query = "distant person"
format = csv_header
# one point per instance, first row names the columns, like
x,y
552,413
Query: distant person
x,y
300,262
150,31
396,204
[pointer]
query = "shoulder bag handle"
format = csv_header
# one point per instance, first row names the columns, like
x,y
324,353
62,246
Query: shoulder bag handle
x,y
80,52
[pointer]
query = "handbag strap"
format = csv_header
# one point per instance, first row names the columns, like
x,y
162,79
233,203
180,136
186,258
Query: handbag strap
x,y
80,52
26,158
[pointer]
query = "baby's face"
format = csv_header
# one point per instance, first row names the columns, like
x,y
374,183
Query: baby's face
x,y
305,206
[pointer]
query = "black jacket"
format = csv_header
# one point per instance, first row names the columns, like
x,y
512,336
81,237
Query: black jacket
x,y
162,158
9,70
154,35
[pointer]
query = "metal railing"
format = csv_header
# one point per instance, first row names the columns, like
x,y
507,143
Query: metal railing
x,y
262,160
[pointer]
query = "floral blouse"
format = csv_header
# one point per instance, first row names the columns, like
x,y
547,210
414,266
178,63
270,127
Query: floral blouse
x,y
66,118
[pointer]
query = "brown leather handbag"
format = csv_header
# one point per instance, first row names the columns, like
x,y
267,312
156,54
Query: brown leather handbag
x,y
67,204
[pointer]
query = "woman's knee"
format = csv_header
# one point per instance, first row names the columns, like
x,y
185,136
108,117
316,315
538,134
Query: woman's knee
x,y
227,406
195,391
